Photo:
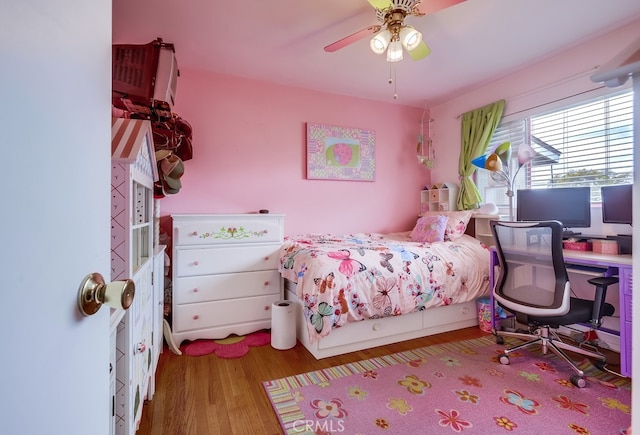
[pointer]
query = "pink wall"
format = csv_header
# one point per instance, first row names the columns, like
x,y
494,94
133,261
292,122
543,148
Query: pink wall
x,y
249,146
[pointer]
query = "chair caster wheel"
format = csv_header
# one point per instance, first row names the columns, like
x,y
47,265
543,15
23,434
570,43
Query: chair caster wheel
x,y
499,339
578,381
504,359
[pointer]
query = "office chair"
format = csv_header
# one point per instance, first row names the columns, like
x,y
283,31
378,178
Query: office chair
x,y
533,284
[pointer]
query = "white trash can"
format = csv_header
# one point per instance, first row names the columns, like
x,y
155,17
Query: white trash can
x,y
283,325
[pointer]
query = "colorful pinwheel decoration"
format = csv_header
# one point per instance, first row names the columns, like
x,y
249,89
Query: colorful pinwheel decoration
x,y
499,161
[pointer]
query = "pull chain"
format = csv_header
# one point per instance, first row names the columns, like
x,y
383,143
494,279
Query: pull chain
x,y
392,72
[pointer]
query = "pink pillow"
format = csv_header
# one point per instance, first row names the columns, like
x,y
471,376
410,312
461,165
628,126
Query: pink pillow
x,y
457,223
429,229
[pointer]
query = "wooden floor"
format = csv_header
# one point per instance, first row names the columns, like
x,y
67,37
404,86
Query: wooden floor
x,y
209,395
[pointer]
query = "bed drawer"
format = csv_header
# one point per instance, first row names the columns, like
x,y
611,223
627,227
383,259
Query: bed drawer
x,y
449,314
193,289
373,329
227,229
219,313
226,259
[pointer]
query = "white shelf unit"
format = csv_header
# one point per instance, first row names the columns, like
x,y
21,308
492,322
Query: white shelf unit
x,y
439,197
135,336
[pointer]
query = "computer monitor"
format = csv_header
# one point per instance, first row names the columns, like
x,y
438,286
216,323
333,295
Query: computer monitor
x,y
617,204
569,205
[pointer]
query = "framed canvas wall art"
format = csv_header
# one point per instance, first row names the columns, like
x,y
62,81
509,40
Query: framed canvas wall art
x,y
340,153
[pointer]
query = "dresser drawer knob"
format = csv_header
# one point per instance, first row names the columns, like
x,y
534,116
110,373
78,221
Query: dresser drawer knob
x,y
266,283
266,258
376,326
266,307
195,233
195,263
195,290
196,317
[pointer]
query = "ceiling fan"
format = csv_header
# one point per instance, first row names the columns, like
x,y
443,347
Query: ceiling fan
x,y
393,34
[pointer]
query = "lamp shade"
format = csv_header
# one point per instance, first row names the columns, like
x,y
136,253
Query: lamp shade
x,y
410,37
479,161
493,163
394,52
380,41
525,154
504,152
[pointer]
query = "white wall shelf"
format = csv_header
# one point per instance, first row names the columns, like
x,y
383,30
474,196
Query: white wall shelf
x,y
439,197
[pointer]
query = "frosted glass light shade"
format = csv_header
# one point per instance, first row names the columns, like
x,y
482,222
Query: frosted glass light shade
x,y
394,52
525,153
380,41
410,37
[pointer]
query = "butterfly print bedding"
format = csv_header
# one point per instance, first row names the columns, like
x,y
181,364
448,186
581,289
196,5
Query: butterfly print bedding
x,y
350,278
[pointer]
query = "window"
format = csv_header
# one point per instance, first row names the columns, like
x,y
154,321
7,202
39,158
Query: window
x,y
585,144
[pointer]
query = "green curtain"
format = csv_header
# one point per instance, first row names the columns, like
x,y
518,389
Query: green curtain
x,y
477,128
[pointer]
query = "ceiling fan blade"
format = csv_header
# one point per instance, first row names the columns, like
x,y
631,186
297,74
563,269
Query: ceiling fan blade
x,y
368,31
420,52
432,6
380,4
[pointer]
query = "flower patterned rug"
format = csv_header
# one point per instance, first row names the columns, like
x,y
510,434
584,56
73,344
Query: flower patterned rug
x,y
456,387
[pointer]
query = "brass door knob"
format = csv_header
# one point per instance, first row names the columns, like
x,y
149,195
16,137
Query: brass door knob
x,y
94,292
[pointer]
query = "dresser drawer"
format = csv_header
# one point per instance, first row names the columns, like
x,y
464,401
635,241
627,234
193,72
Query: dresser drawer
x,y
227,229
220,313
225,259
206,288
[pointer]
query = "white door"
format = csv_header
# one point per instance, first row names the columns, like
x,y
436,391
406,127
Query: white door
x,y
55,83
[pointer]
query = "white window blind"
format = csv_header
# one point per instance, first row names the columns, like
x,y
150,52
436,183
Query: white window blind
x,y
585,144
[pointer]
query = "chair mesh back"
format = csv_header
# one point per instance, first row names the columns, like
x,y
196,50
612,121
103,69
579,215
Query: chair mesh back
x,y
532,276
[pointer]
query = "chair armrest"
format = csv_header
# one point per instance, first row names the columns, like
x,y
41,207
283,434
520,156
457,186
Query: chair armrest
x,y
601,283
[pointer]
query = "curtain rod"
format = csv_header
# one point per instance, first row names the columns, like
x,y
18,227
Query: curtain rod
x,y
543,88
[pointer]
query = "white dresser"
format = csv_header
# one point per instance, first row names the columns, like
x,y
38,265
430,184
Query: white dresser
x,y
225,274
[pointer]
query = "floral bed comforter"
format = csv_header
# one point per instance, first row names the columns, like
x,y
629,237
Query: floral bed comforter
x,y
349,278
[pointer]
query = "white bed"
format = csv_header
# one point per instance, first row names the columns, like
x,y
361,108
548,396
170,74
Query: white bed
x,y
360,291
378,332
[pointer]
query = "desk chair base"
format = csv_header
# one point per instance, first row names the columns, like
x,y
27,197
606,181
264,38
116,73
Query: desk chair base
x,y
555,345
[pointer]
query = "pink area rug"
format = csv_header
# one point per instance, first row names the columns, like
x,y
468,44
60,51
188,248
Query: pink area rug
x,y
452,388
234,346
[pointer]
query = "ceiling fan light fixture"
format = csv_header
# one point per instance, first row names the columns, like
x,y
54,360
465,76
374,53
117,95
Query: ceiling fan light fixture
x,y
410,37
380,41
394,52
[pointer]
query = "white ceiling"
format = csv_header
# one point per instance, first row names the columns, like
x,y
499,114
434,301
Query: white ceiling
x,y
281,41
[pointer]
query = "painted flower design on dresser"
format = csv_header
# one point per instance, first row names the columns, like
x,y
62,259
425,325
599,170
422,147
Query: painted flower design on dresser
x,y
226,233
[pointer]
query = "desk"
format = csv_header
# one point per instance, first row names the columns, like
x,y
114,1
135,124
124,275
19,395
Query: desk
x,y
612,265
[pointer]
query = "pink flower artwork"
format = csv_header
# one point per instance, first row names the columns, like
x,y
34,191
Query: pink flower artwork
x,y
342,153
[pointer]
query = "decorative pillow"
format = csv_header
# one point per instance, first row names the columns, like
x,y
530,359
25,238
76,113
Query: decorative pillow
x,y
429,229
457,223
